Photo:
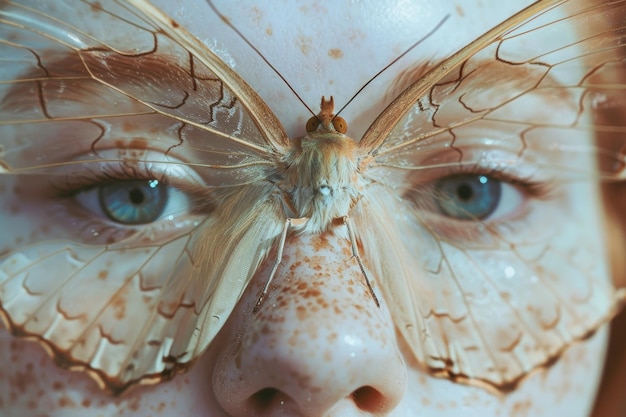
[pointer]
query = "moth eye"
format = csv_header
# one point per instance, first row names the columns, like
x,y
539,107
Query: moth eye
x,y
133,202
474,197
312,124
340,124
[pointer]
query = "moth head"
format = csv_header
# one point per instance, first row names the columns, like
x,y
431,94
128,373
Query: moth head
x,y
326,119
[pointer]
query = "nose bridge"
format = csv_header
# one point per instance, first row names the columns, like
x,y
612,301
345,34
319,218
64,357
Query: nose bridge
x,y
317,344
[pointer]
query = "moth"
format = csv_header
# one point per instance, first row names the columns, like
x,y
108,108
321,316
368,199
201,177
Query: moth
x,y
138,269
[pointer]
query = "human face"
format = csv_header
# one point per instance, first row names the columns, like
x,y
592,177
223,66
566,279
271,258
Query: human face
x,y
346,356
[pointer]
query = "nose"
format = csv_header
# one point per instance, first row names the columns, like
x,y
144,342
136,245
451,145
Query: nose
x,y
318,345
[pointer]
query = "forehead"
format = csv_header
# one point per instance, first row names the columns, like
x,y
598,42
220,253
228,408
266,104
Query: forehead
x,y
333,49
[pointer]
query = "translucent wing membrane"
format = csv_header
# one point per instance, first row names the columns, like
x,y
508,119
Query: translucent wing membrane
x,y
498,94
489,300
106,91
96,93
140,310
114,86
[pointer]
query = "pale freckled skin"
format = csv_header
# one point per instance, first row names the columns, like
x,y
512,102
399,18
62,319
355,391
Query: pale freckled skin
x,y
318,342
308,337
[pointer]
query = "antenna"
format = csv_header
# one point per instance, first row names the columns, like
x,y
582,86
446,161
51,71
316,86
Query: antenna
x,y
254,48
227,21
409,49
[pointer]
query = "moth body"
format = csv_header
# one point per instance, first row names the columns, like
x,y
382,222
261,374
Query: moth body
x,y
322,176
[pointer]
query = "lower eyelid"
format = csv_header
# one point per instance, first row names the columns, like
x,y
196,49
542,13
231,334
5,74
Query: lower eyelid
x,y
84,226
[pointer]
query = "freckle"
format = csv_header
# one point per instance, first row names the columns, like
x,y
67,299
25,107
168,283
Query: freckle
x,y
311,293
301,312
86,402
460,10
304,44
58,385
103,274
66,402
134,404
335,53
119,306
322,302
269,31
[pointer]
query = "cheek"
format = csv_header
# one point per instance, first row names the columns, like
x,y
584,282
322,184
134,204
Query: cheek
x,y
26,213
317,343
15,223
31,384
566,388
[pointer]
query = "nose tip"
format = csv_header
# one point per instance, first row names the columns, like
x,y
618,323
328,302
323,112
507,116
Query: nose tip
x,y
318,345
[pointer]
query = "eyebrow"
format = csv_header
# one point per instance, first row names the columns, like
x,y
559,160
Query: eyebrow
x,y
136,71
175,85
77,109
525,108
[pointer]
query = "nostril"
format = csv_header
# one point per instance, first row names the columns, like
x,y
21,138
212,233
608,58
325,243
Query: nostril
x,y
369,399
265,399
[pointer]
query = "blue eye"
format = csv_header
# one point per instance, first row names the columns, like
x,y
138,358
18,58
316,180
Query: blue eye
x,y
468,197
133,202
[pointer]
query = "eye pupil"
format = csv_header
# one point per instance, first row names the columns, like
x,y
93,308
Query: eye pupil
x,y
465,192
136,196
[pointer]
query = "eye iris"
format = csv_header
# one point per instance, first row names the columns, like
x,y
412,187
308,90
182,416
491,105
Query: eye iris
x,y
133,202
468,197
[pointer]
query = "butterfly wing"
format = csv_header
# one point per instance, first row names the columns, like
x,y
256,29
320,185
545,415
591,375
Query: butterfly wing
x,y
92,89
489,301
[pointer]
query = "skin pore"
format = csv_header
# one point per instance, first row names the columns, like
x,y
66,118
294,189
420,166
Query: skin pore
x,y
319,346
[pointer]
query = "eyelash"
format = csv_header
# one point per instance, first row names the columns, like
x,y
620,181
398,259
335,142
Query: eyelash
x,y
111,173
421,195
535,188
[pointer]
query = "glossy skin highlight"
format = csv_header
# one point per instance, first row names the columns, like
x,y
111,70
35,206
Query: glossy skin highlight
x,y
318,346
